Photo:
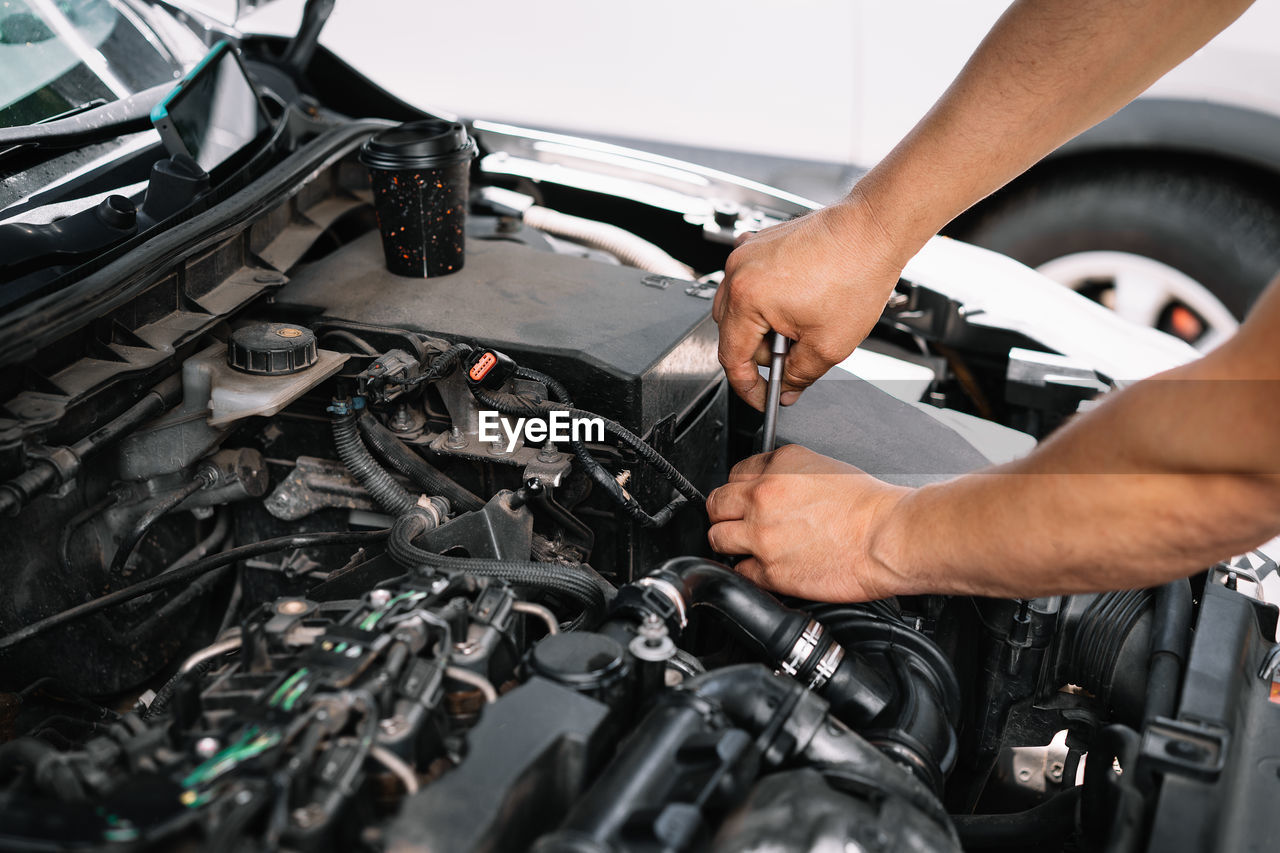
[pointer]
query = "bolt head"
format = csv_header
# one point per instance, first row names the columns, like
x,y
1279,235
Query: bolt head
x,y
292,607
379,597
207,747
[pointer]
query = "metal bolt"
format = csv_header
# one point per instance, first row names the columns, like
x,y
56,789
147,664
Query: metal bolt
x,y
547,453
207,747
438,585
401,420
456,439
652,630
1024,775
308,816
392,726
292,607
379,597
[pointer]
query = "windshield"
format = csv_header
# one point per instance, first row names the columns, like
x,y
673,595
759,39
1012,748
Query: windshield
x,y
57,56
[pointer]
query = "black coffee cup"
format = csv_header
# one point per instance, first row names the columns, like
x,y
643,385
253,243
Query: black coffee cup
x,y
420,173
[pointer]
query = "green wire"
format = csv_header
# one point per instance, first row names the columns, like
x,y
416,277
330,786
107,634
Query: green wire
x,y
284,688
195,775
371,620
294,695
230,757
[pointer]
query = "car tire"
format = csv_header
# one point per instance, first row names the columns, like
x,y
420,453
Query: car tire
x,y
1220,232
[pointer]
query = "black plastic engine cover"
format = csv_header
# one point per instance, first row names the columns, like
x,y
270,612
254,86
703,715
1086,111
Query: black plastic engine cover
x,y
630,345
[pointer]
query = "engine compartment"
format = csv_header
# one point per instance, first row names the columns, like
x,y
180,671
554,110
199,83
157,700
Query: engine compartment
x,y
269,586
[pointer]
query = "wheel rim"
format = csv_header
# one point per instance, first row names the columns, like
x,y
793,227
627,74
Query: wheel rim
x,y
1147,292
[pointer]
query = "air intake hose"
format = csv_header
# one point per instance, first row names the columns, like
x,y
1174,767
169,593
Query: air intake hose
x,y
700,748
790,639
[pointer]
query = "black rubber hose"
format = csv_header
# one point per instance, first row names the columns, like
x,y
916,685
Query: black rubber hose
x,y
432,481
161,508
575,580
1050,822
381,486
33,482
187,573
1170,642
49,768
788,725
856,691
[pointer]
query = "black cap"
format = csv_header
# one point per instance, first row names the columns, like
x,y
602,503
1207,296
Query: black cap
x,y
271,349
425,144
580,659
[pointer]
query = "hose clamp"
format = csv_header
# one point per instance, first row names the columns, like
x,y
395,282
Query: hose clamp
x,y
803,647
827,666
668,590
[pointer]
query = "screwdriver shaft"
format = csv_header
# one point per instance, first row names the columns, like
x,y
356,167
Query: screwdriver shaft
x,y
773,395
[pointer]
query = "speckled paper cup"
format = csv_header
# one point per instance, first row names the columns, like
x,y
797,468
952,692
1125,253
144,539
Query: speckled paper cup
x,y
420,174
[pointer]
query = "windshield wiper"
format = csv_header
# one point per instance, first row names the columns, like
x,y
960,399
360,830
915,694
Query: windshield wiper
x,y
130,114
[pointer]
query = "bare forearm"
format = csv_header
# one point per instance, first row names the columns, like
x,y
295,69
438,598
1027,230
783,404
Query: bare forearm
x,y
1170,476
1047,71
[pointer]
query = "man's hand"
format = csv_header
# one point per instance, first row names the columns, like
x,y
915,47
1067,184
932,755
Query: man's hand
x,y
821,280
811,524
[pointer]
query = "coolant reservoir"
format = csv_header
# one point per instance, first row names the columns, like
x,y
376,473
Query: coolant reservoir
x,y
264,367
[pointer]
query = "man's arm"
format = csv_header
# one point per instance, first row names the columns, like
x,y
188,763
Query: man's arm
x,y
1047,71
1160,480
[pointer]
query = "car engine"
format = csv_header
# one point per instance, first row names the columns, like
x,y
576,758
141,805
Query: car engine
x,y
286,567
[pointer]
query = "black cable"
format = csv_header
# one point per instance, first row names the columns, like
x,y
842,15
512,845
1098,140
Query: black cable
x,y
576,580
431,480
1054,820
356,341
441,365
162,507
511,404
387,494
187,573
589,463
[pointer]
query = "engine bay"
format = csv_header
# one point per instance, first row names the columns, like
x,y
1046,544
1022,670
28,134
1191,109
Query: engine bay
x,y
290,564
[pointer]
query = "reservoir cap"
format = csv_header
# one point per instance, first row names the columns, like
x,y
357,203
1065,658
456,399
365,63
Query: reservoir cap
x,y
271,349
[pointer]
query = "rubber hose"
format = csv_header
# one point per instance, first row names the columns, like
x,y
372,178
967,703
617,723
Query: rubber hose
x,y
1170,638
857,692
49,769
381,486
424,475
1049,822
578,581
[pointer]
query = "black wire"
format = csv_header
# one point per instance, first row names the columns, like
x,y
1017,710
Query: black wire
x,y
186,573
440,365
512,404
150,517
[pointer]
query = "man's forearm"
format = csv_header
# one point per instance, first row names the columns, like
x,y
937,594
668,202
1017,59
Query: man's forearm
x,y
1168,477
1047,71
